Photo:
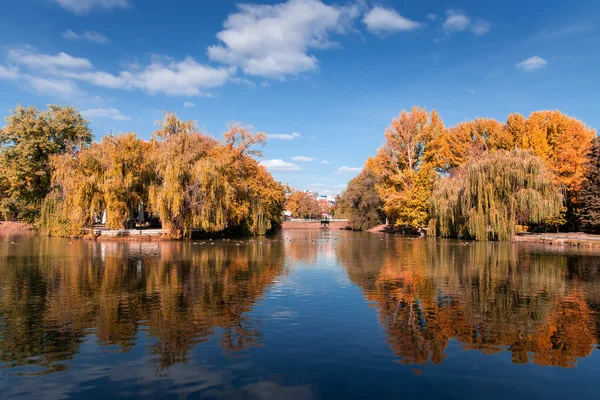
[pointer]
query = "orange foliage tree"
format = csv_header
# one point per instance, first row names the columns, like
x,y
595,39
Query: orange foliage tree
x,y
303,205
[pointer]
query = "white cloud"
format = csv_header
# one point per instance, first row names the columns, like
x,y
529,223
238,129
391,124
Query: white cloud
x,y
383,20
348,170
188,104
303,158
238,80
325,162
97,78
10,73
186,78
458,21
284,136
90,36
274,40
27,56
532,63
279,165
481,27
85,6
108,113
58,88
163,75
431,17
53,87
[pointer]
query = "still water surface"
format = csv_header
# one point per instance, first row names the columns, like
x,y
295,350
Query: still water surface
x,y
303,315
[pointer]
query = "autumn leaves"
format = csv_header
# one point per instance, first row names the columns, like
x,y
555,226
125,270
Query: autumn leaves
x,y
181,177
420,156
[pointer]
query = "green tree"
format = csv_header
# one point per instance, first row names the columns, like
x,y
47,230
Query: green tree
x,y
27,142
486,198
361,203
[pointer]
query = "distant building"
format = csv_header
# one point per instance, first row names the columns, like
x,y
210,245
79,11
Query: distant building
x,y
329,198
311,193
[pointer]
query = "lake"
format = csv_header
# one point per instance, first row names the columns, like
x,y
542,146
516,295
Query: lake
x,y
301,315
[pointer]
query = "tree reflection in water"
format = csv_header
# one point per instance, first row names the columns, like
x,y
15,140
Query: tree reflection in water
x,y
490,297
540,305
177,294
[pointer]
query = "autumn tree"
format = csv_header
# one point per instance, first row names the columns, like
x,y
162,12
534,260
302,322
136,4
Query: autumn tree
x,y
407,164
488,197
258,204
303,205
112,176
27,142
360,202
206,184
187,179
325,206
127,174
563,143
455,145
590,191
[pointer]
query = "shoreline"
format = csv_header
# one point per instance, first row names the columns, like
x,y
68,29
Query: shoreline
x,y
570,239
16,227
316,224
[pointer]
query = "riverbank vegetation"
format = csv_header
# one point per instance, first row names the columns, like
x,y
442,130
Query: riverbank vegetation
x,y
488,197
479,179
361,201
53,174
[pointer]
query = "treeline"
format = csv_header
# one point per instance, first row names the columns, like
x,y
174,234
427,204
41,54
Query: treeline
x,y
305,205
51,173
479,179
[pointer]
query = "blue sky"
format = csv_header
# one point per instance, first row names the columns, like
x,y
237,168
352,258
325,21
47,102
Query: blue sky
x,y
323,79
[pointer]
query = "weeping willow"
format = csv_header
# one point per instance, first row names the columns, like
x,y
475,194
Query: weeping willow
x,y
196,199
189,180
111,175
54,219
488,197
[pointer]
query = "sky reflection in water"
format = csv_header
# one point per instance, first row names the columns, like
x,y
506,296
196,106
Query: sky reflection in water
x,y
305,314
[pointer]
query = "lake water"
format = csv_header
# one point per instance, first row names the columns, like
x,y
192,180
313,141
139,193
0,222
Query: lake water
x,y
302,315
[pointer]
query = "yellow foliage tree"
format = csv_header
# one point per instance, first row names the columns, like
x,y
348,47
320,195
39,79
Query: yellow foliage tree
x,y
407,161
303,205
205,184
111,176
187,179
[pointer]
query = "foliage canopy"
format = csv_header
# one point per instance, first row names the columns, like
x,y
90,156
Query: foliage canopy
x,y
185,178
27,142
488,197
303,205
590,192
360,203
